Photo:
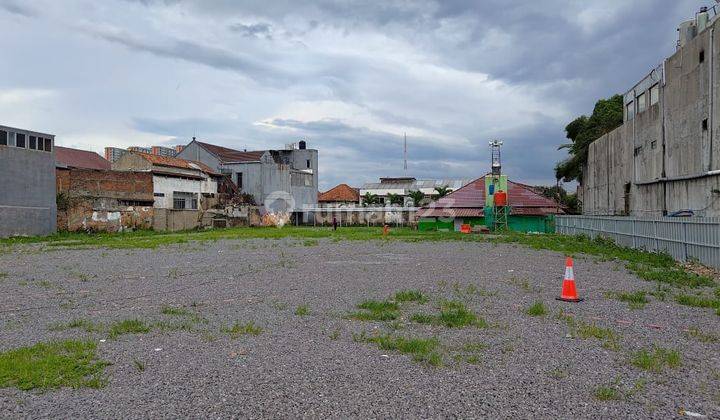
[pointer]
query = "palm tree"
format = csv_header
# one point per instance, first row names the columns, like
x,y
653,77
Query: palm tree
x,y
395,199
417,197
369,199
442,192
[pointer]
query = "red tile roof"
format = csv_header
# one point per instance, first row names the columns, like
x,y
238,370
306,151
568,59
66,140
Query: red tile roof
x,y
230,155
341,193
82,159
523,200
173,162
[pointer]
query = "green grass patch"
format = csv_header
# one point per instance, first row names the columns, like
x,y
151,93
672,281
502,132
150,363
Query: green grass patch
x,y
586,331
376,310
174,311
649,266
84,324
421,349
52,365
128,326
239,329
636,300
453,314
411,296
656,360
607,393
311,242
537,309
302,310
698,301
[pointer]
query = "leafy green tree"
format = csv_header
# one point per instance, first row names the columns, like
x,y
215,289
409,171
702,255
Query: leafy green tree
x,y
569,202
370,199
441,192
607,116
417,197
395,199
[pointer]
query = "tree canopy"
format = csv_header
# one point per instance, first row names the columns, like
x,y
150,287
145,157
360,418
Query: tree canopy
x,y
607,116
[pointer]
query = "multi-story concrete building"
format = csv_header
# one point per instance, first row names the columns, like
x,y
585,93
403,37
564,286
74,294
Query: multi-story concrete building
x,y
665,158
112,154
27,193
280,180
163,151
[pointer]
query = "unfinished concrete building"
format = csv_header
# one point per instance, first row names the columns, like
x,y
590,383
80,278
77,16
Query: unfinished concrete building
x,y
665,158
27,195
279,180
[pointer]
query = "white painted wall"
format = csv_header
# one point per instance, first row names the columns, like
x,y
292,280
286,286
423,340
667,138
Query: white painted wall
x,y
167,185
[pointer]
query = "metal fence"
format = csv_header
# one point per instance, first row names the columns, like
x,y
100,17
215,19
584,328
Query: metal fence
x,y
683,238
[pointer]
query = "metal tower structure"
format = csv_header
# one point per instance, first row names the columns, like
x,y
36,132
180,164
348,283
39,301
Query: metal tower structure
x,y
499,212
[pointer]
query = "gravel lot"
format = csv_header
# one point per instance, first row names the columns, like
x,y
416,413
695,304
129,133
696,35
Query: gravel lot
x,y
310,366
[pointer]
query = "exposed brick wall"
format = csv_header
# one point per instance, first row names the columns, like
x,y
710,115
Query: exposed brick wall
x,y
93,200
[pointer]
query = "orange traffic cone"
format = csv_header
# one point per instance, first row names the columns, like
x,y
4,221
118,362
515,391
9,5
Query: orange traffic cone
x,y
569,294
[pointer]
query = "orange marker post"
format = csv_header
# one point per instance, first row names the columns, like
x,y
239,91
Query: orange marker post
x,y
569,293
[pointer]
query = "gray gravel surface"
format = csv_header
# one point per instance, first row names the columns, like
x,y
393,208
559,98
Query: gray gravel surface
x,y
312,367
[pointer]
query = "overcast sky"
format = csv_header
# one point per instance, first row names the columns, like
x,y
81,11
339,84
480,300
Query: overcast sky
x,y
349,77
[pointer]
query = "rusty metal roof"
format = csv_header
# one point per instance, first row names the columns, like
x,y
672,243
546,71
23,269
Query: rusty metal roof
x,y
82,159
173,162
523,200
231,155
341,193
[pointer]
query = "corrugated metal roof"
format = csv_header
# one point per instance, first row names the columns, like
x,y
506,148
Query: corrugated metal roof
x,y
173,162
231,155
82,159
453,184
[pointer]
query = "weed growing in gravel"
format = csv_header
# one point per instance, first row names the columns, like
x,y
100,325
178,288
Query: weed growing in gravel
x,y
84,324
3,275
656,360
537,309
302,310
376,310
636,300
698,301
175,311
311,242
421,349
701,336
128,326
52,365
335,335
238,329
140,366
558,373
610,339
646,265
173,273
608,393
411,296
453,314
523,284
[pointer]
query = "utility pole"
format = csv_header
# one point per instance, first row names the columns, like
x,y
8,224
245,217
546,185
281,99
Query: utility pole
x,y
405,152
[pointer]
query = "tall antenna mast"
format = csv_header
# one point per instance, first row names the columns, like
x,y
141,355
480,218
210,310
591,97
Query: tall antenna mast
x,y
495,163
405,153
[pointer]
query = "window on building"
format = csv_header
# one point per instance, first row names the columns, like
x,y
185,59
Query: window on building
x,y
309,164
33,142
20,140
184,200
642,102
701,58
40,143
630,110
638,150
654,95
11,138
705,124
3,138
158,194
239,179
653,144
48,145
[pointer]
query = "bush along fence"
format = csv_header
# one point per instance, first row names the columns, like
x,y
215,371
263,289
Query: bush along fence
x,y
696,238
